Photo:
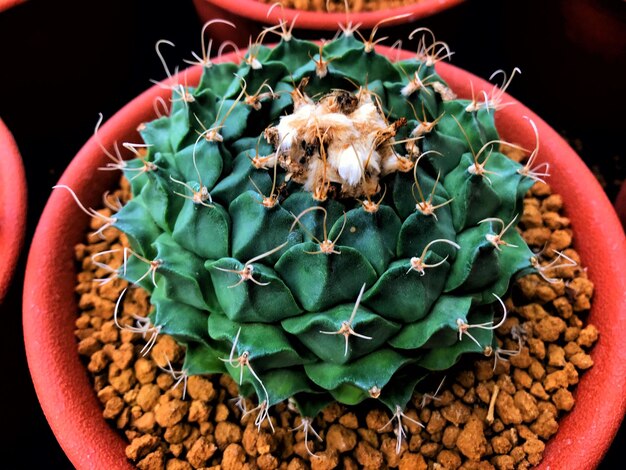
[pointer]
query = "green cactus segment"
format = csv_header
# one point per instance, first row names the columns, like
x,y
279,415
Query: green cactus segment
x,y
353,62
419,229
320,332
210,113
513,260
474,197
319,280
202,359
420,105
438,329
270,73
251,146
244,177
217,77
184,273
258,229
135,171
323,224
373,234
459,129
139,272
404,184
509,183
156,135
134,220
399,390
293,53
311,404
485,267
267,345
282,102
282,384
164,205
342,45
185,323
311,73
203,230
449,145
404,294
314,221
363,378
202,160
179,126
477,255
443,358
264,298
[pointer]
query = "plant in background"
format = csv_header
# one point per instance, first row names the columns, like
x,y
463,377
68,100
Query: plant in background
x,y
323,224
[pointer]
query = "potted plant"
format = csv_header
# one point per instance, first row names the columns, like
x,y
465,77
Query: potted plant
x,y
12,207
249,14
59,376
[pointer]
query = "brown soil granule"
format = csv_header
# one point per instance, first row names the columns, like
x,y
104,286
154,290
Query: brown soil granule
x,y
491,413
338,6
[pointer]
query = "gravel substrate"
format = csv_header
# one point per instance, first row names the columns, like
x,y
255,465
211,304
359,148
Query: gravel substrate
x,y
338,6
490,412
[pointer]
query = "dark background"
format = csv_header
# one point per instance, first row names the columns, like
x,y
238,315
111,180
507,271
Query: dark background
x,y
62,62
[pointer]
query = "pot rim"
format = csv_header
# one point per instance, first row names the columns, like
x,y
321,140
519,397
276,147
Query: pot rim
x,y
13,206
7,4
258,11
61,380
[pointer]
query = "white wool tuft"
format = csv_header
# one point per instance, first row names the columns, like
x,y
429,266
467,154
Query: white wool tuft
x,y
349,165
349,155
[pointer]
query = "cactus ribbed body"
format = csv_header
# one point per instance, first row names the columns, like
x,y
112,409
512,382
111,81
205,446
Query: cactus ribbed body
x,y
324,227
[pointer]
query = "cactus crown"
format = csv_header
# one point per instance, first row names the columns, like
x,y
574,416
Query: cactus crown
x,y
324,224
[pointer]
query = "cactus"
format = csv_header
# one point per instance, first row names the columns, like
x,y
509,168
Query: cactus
x,y
324,224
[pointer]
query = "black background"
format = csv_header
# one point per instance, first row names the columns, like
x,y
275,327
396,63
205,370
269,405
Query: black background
x,y
63,62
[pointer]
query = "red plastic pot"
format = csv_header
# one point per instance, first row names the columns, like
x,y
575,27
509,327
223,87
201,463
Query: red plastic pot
x,y
249,14
12,207
62,382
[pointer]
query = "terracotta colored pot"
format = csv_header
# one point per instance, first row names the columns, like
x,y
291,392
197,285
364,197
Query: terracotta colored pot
x,y
6,4
12,207
620,204
62,382
249,14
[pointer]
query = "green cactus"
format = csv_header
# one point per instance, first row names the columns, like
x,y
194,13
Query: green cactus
x,y
324,224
